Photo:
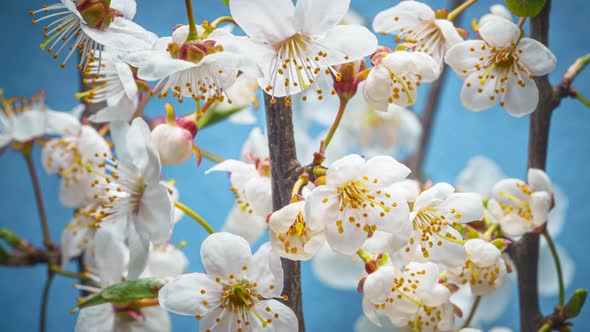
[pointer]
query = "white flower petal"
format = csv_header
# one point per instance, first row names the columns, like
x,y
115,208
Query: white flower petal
x,y
224,254
538,180
123,35
348,241
286,321
317,17
377,285
167,261
270,24
154,214
467,206
96,318
463,57
536,57
155,65
482,253
433,195
499,33
344,169
247,225
402,16
385,169
476,96
122,111
521,100
346,43
125,7
267,270
139,249
184,295
540,205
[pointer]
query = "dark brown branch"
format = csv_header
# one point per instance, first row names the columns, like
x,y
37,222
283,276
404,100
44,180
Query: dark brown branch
x,y
429,113
284,170
34,257
525,252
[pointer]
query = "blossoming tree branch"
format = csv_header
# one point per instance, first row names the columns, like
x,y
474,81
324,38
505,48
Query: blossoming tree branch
x,y
425,256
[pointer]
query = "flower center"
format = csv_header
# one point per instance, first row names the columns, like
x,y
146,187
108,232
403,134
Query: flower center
x,y
517,205
354,194
97,13
193,51
430,225
299,227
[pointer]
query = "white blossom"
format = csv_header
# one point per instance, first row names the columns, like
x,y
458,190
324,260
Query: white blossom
x,y
500,68
236,292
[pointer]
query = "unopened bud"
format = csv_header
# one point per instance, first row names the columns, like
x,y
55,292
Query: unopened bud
x,y
345,83
574,305
174,143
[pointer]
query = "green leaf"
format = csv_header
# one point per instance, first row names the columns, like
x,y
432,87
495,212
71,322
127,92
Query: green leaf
x,y
226,2
525,7
126,292
574,305
215,115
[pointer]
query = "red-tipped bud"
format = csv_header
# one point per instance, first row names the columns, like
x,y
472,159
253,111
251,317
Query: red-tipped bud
x,y
380,53
174,143
345,83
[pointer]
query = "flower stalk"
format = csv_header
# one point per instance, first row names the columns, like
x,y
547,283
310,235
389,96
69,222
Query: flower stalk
x,y
472,312
27,153
335,124
453,15
555,255
195,216
193,34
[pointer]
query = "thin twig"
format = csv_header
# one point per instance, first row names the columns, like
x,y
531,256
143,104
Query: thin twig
x,y
557,266
38,198
211,156
45,301
195,216
472,312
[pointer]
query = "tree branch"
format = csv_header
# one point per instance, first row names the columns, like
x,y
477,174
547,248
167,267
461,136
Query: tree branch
x,y
284,170
34,257
525,252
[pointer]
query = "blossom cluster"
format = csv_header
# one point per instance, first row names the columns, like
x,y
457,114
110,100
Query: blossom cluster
x,y
409,246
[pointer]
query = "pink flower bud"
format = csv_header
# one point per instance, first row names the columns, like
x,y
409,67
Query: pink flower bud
x,y
346,84
174,143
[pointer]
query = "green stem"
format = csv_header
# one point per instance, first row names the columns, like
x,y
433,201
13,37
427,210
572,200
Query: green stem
x,y
583,99
472,312
557,266
58,270
343,103
45,301
195,216
211,156
452,15
301,181
491,229
38,197
193,34
223,19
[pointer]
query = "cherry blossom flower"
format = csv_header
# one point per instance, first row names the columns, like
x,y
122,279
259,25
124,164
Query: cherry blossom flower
x,y
409,297
132,196
295,44
500,68
236,292
395,78
291,236
113,82
355,201
110,259
25,119
202,69
252,188
419,28
69,155
520,207
431,233
484,269
88,25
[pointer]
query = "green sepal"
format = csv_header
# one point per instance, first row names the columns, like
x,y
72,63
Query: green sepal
x,y
214,115
501,244
14,240
525,7
471,233
126,292
573,307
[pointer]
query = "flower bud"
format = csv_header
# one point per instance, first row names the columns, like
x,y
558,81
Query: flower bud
x,y
174,143
346,84
573,307
380,53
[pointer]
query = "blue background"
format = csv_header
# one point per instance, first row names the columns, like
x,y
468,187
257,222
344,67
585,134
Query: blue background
x,y
458,135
